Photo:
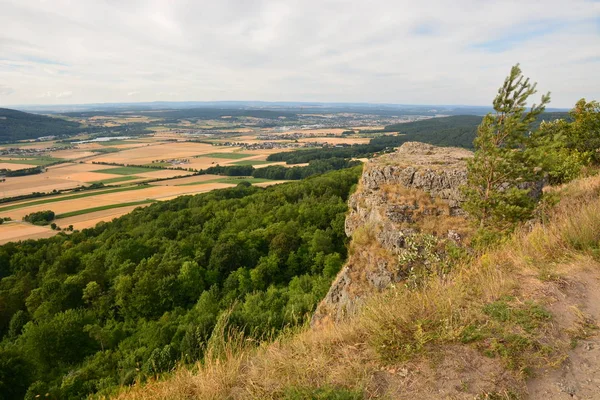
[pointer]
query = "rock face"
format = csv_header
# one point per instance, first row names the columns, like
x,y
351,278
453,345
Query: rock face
x,y
404,215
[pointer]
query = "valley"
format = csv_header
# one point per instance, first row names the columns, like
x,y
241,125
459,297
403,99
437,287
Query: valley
x,y
88,178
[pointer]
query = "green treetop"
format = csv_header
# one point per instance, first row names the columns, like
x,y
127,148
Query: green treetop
x,y
497,192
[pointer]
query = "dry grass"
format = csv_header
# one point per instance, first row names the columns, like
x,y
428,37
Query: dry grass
x,y
431,215
411,343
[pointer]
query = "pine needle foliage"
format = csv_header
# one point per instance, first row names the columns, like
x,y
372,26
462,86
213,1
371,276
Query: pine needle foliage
x,y
497,192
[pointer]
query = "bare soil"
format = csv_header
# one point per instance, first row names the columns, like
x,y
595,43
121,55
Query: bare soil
x,y
575,305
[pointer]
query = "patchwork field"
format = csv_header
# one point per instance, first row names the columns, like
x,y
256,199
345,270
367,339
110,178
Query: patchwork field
x,y
67,204
159,151
124,164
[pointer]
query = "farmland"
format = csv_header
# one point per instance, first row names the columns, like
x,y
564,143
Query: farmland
x,y
93,177
85,185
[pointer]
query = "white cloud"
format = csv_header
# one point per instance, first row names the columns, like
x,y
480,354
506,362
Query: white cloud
x,y
65,94
56,95
317,50
5,90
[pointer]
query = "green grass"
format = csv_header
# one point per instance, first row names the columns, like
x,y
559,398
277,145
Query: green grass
x,y
250,162
118,179
529,316
106,150
229,156
232,180
324,393
39,161
102,208
19,144
72,197
126,170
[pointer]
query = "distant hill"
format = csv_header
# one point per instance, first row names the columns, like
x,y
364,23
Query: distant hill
x,y
17,125
458,130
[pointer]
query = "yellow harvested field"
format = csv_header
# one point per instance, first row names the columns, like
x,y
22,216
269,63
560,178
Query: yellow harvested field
x,y
207,187
79,173
265,184
336,140
132,145
161,151
90,220
87,177
14,167
206,162
151,193
73,167
15,231
374,127
33,183
71,154
190,179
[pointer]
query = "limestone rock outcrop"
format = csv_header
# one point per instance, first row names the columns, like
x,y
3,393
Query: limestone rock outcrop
x,y
403,216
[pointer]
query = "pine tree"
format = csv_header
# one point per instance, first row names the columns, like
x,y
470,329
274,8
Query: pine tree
x,y
497,195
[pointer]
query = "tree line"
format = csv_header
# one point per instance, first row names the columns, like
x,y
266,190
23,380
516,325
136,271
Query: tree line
x,y
279,172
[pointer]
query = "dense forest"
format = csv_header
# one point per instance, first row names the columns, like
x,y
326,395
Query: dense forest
x,y
459,131
279,172
126,300
17,125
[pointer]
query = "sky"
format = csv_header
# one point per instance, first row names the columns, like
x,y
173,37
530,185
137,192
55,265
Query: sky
x,y
377,51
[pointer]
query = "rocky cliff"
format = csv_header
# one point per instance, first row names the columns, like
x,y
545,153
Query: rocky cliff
x,y
405,220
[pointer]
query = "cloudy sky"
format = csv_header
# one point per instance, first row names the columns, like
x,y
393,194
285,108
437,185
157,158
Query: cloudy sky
x,y
384,51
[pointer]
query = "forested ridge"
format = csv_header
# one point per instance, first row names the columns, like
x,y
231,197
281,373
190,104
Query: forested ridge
x,y
458,130
17,125
129,299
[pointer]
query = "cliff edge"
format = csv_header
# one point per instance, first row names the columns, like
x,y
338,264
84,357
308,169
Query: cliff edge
x,y
405,214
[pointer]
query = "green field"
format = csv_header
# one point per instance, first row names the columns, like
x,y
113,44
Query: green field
x,y
39,161
118,179
250,162
72,197
102,208
159,164
19,144
126,170
228,156
233,180
106,150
